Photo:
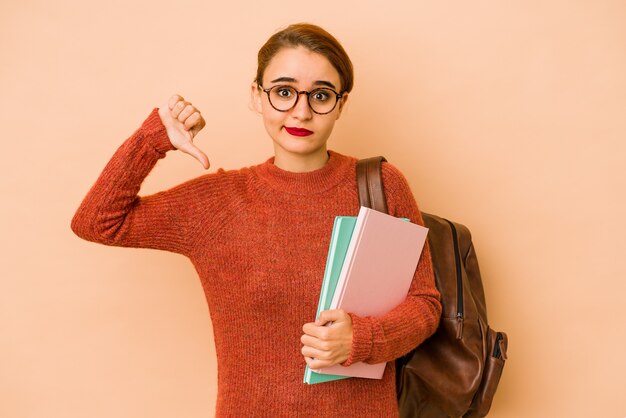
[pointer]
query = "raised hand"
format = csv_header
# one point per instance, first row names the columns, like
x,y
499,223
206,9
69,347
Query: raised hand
x,y
182,122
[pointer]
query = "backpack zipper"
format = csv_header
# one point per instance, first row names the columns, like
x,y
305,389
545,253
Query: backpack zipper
x,y
459,282
497,350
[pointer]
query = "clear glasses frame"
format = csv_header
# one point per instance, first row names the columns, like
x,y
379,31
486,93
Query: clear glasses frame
x,y
338,96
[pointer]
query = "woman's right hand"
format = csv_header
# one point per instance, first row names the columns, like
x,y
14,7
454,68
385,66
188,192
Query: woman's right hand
x,y
182,122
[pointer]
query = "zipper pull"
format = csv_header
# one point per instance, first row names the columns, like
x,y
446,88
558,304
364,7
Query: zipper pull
x,y
502,350
459,326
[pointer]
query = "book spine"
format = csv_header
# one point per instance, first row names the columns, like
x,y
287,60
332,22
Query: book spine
x,y
349,259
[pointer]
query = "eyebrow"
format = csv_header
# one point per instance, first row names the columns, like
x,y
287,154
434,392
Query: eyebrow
x,y
316,83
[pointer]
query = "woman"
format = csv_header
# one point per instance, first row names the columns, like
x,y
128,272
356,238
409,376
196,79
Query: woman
x,y
259,236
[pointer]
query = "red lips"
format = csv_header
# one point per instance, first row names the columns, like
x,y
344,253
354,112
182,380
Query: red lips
x,y
298,131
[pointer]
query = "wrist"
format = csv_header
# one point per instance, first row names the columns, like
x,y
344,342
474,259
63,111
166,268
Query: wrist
x,y
154,130
361,340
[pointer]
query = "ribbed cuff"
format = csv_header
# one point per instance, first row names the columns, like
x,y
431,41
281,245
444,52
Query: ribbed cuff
x,y
361,340
154,131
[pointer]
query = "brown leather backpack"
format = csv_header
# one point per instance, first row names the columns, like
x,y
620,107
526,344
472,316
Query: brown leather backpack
x,y
456,371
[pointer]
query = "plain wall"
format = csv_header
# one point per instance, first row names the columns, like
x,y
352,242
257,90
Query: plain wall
x,y
507,116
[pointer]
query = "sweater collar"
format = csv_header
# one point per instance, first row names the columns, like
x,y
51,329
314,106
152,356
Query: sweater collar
x,y
334,172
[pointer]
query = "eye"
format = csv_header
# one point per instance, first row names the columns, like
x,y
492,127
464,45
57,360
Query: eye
x,y
321,95
284,92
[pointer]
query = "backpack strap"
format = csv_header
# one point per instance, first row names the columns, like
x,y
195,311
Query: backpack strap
x,y
370,183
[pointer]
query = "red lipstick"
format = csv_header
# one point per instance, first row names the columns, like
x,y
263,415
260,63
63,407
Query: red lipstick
x,y
298,131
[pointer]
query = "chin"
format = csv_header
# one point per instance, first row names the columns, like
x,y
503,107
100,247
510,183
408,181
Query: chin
x,y
301,146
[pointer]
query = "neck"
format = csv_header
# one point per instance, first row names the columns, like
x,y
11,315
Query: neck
x,y
301,163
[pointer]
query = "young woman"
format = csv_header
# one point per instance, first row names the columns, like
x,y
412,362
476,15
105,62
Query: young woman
x,y
259,236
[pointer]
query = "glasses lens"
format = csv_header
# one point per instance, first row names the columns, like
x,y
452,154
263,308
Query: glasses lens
x,y
283,97
322,100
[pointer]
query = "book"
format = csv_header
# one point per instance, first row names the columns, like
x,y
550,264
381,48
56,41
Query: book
x,y
376,274
339,241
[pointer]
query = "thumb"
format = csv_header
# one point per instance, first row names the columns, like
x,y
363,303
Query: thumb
x,y
196,153
328,316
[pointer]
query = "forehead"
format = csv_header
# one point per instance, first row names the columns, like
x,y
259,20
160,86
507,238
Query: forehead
x,y
302,65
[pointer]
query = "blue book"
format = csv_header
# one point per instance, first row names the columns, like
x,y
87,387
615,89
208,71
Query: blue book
x,y
339,241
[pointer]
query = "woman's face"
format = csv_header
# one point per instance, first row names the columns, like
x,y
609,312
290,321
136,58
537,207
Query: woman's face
x,y
303,70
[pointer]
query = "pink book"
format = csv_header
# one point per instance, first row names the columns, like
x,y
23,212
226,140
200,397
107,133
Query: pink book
x,y
376,275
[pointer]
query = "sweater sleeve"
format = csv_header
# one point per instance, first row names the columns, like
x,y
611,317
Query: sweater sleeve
x,y
385,338
112,213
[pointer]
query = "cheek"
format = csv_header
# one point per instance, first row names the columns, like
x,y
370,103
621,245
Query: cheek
x,y
328,126
273,120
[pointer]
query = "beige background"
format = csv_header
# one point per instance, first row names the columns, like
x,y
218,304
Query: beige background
x,y
508,116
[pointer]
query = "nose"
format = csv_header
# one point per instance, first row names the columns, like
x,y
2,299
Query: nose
x,y
302,110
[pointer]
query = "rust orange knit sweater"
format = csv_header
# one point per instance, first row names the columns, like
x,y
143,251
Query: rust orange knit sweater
x,y
258,238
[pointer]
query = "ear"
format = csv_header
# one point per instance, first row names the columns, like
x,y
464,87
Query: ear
x,y
342,102
255,97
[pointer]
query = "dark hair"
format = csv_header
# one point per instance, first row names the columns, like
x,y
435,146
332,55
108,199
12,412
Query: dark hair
x,y
316,40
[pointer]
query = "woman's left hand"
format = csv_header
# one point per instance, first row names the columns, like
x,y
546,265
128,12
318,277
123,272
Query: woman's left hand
x,y
325,346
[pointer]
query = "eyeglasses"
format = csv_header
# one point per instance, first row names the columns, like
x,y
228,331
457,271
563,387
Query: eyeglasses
x,y
284,98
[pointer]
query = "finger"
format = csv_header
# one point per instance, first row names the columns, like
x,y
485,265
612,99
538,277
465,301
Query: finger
x,y
186,112
192,120
315,353
316,364
173,100
315,343
316,331
198,127
309,362
178,107
311,329
308,327
195,152
307,339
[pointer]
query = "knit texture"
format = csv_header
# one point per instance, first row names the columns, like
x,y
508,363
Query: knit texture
x,y
258,238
